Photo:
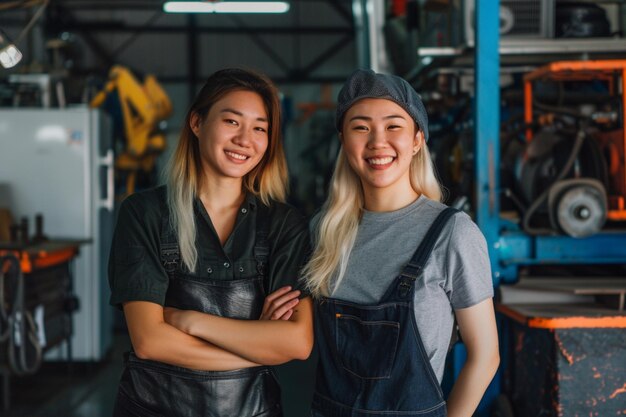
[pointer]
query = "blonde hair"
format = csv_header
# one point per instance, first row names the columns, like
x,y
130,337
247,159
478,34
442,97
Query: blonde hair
x,y
268,180
337,228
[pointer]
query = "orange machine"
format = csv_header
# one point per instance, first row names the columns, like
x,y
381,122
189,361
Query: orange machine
x,y
612,141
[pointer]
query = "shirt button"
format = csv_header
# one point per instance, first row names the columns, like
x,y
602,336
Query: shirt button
x,y
241,269
209,270
244,211
226,265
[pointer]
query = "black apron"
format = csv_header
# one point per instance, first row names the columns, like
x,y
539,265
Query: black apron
x,y
151,389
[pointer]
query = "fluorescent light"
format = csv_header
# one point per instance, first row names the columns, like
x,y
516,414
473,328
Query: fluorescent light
x,y
188,7
251,7
226,7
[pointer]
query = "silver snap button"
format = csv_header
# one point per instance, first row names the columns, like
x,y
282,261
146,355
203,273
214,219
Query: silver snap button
x,y
244,211
241,269
209,270
226,265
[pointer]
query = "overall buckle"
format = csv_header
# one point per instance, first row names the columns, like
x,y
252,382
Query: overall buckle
x,y
170,257
404,288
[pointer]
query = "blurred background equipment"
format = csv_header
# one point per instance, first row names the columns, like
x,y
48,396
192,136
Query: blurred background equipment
x,y
141,107
76,202
519,19
572,170
10,55
36,303
575,19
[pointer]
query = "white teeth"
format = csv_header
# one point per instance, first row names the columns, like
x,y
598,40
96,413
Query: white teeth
x,y
380,161
236,155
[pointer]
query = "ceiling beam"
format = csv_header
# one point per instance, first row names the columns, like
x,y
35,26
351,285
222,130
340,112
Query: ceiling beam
x,y
326,55
120,26
57,17
267,49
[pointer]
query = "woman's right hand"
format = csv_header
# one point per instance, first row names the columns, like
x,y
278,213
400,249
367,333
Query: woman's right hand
x,y
279,305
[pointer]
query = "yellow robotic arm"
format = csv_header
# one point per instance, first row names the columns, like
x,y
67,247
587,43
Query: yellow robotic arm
x,y
143,107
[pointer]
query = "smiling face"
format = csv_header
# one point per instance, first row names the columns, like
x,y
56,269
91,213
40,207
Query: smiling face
x,y
233,137
379,140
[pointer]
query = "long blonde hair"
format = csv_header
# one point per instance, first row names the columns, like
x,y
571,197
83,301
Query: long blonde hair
x,y
268,180
337,228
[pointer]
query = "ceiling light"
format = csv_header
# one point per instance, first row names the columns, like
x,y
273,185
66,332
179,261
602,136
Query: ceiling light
x,y
188,7
226,7
10,56
251,7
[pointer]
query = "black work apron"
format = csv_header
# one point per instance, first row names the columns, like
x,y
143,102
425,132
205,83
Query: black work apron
x,y
151,389
372,362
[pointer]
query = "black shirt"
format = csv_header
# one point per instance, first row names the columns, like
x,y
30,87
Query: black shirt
x,y
135,269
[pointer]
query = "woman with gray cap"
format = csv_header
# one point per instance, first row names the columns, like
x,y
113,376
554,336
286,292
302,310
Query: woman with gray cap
x,y
385,310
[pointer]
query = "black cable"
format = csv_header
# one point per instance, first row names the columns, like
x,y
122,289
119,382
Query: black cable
x,y
578,143
557,109
14,318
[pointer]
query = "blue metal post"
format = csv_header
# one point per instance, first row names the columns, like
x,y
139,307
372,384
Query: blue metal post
x,y
487,134
487,124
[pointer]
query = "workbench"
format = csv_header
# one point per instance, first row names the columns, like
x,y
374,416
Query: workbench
x,y
37,284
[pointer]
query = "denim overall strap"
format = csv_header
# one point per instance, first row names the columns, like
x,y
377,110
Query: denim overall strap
x,y
402,287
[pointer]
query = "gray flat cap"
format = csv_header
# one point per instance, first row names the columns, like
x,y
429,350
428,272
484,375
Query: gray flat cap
x,y
365,83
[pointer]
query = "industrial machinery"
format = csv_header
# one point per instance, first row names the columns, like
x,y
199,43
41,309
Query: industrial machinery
x,y
570,175
519,19
569,129
142,107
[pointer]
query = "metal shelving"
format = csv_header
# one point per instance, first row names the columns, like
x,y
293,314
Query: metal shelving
x,y
537,46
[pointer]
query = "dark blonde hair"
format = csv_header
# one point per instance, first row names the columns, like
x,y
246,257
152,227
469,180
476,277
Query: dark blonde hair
x,y
268,180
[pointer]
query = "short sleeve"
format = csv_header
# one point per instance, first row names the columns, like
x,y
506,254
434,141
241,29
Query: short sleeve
x,y
468,268
135,271
290,251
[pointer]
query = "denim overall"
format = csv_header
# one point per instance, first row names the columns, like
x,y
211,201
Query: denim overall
x,y
372,362
151,389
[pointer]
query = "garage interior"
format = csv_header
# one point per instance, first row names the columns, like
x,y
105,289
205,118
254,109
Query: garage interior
x,y
526,108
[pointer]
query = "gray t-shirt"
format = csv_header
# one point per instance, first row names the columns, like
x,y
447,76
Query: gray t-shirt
x,y
457,274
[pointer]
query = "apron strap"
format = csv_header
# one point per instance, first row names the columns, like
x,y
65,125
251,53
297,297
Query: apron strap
x,y
261,244
170,251
412,271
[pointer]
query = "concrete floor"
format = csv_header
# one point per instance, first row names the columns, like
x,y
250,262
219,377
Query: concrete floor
x,y
88,390
76,390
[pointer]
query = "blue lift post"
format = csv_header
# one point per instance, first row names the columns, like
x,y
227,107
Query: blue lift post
x,y
487,155
509,246
487,122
